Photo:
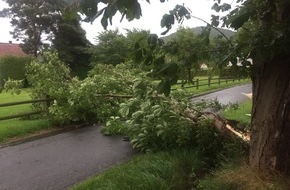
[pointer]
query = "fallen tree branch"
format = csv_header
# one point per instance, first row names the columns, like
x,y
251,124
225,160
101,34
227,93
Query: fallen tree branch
x,y
220,124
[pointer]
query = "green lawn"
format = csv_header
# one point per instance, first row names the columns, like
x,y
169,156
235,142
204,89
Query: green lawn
x,y
7,97
18,127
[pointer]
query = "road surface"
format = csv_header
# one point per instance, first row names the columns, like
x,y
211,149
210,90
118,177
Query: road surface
x,y
60,161
226,96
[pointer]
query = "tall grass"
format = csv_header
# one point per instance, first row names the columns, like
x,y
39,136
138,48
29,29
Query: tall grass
x,y
176,170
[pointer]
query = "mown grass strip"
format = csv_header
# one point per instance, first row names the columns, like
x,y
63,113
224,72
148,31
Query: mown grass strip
x,y
17,128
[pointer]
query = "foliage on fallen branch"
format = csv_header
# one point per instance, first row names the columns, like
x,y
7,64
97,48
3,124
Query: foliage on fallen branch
x,y
76,100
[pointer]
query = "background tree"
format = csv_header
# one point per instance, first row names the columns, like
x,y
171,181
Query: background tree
x,y
190,50
71,44
112,48
32,22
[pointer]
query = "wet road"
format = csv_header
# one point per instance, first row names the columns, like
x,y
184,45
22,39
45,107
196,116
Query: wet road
x,y
60,161
230,95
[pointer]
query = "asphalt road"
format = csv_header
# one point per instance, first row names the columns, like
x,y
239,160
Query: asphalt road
x,y
226,96
60,161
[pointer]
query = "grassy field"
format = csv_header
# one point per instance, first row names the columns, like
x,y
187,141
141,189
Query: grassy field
x,y
18,127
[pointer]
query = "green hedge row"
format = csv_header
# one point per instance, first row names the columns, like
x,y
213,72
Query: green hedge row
x,y
13,67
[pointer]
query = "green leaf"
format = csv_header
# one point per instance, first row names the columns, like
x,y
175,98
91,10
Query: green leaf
x,y
140,135
124,111
158,133
215,20
157,111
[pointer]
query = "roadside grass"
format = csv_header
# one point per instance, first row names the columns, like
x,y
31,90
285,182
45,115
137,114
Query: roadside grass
x,y
176,170
239,113
19,127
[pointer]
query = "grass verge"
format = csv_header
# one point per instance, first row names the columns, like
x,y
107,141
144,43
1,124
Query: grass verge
x,y
238,113
19,128
176,170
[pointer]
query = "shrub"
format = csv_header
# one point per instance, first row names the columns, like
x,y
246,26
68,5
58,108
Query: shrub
x,y
13,67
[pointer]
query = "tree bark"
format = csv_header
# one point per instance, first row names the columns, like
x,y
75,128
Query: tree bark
x,y
270,134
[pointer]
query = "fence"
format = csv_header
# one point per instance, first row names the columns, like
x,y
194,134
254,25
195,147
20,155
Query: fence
x,y
197,83
46,101
210,81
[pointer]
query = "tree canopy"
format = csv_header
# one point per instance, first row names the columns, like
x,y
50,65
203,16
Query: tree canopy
x,y
33,22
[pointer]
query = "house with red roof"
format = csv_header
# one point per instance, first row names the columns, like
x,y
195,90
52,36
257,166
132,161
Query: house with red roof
x,y
7,49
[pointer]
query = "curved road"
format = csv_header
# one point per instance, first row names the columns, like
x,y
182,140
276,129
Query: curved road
x,y
226,96
58,162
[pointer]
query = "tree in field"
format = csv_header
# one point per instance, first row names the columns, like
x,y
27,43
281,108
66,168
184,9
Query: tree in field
x,y
112,48
189,49
264,36
71,43
32,22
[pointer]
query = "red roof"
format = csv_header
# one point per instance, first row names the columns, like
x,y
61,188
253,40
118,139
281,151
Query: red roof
x,y
11,49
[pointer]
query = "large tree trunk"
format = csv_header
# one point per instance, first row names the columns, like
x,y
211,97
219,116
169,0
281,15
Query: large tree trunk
x,y
270,135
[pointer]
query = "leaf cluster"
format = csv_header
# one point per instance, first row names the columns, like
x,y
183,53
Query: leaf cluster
x,y
159,123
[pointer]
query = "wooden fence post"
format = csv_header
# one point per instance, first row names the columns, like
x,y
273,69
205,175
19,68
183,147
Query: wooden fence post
x,y
209,81
197,83
219,80
226,79
47,102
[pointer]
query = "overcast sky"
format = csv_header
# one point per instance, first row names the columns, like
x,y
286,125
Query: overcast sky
x,y
152,14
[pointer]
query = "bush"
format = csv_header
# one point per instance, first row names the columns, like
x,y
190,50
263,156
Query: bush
x,y
13,67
